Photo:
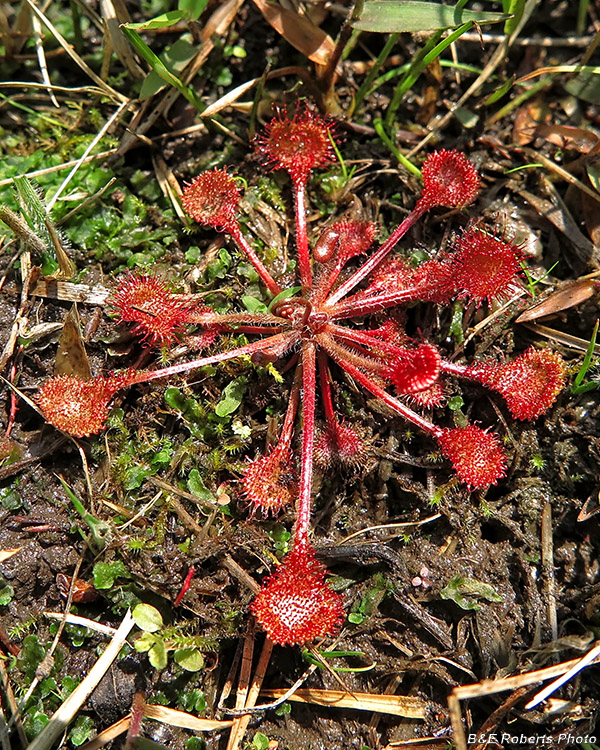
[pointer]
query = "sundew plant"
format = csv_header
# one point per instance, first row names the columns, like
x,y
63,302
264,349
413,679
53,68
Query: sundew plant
x,y
341,322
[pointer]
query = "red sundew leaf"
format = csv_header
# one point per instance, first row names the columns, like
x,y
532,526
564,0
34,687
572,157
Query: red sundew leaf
x,y
79,407
476,455
415,369
297,144
159,314
449,179
271,482
340,444
296,605
393,273
484,266
529,384
212,199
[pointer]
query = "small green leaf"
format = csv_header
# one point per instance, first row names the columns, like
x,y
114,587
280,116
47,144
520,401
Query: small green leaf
x,y
160,68
175,398
105,573
465,591
499,92
147,618
193,9
393,16
6,594
193,700
159,22
260,741
196,486
82,730
515,8
289,292
593,172
466,117
30,655
133,476
232,397
189,659
145,642
158,655
254,305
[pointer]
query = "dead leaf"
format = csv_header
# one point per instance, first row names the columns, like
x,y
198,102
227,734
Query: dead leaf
x,y
66,267
567,295
6,554
298,31
528,119
71,357
566,136
591,217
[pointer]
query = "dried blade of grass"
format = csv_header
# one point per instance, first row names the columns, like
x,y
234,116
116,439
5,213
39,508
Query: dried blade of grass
x,y
183,720
216,25
240,724
516,682
108,90
569,294
559,69
107,125
384,527
573,342
11,702
114,14
301,33
236,570
171,489
4,741
94,90
554,210
230,97
70,292
84,622
407,707
21,320
41,55
69,709
107,735
16,36
169,186
6,554
86,202
537,156
592,655
66,268
44,668
548,568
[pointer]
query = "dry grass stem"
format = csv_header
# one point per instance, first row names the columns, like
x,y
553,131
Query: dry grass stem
x,y
108,90
240,723
84,622
407,707
69,709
